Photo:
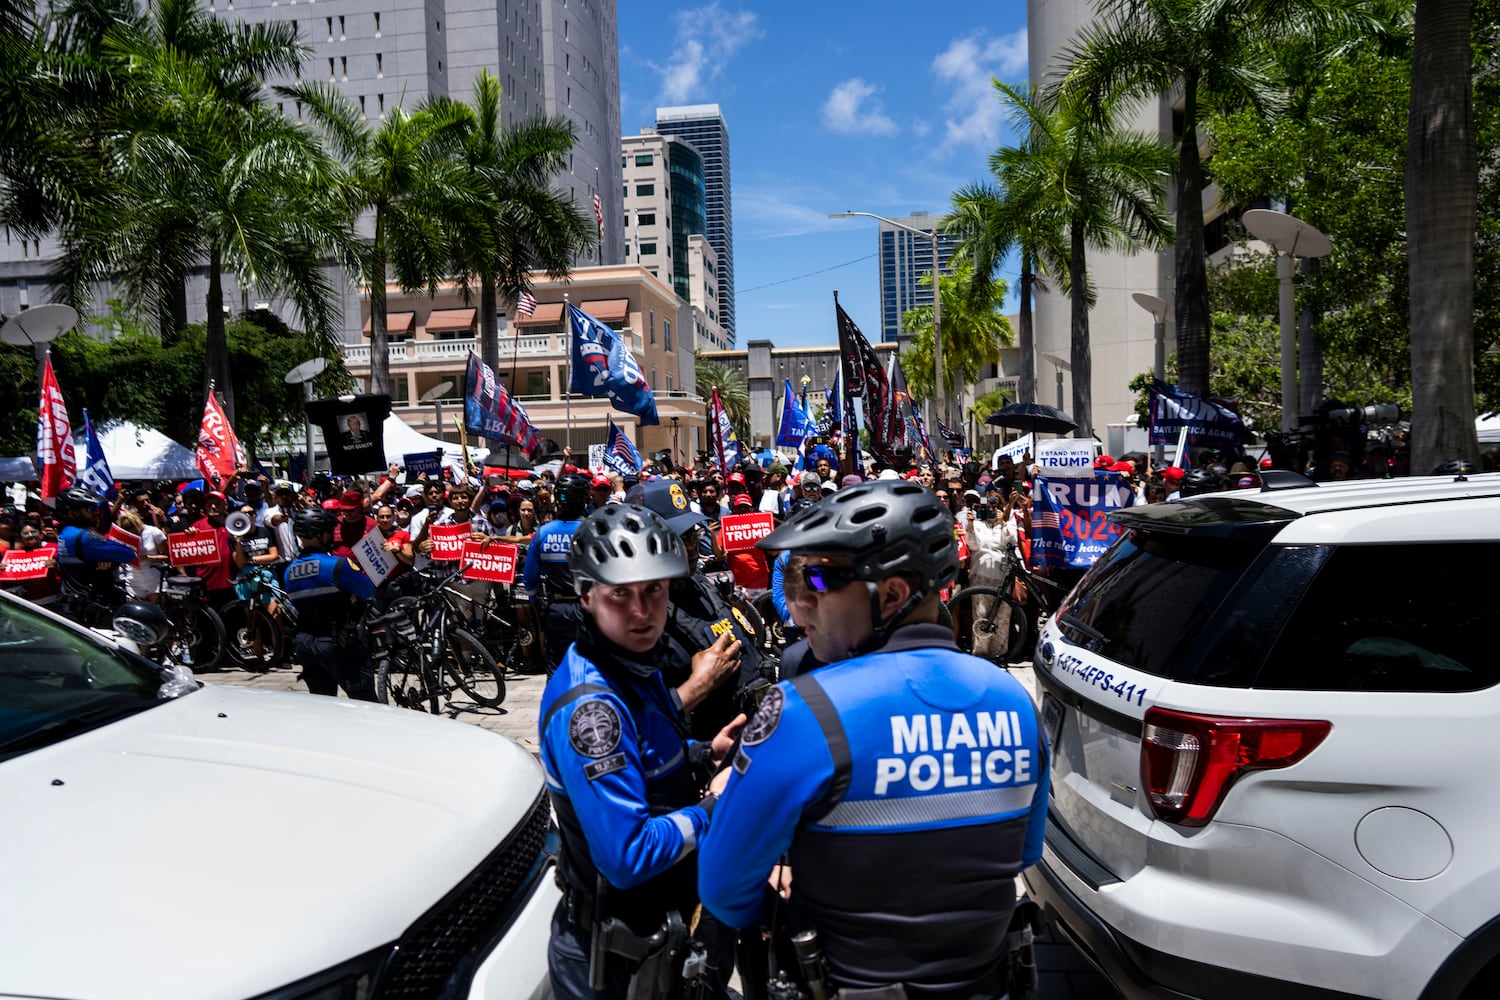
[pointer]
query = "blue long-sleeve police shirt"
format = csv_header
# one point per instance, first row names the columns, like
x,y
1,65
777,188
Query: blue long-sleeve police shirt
x,y
547,558
80,545
908,787
618,769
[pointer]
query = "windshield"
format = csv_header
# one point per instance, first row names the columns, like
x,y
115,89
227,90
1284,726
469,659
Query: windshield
x,y
56,683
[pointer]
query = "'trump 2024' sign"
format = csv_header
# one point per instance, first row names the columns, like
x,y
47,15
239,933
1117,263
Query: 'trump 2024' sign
x,y
1069,517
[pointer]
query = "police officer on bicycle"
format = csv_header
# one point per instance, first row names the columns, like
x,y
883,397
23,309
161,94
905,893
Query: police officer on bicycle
x,y
329,593
87,560
904,783
625,781
546,573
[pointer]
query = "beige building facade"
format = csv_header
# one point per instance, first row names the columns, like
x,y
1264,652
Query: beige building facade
x,y
432,338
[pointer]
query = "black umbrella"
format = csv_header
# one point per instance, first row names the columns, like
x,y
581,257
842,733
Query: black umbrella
x,y
1033,418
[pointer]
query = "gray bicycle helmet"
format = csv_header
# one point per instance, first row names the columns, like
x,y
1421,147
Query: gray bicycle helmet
x,y
142,623
884,527
312,522
623,543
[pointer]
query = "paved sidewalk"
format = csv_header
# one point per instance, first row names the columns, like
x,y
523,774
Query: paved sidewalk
x,y
1065,975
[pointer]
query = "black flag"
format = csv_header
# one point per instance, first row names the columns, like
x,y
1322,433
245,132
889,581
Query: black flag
x,y
864,378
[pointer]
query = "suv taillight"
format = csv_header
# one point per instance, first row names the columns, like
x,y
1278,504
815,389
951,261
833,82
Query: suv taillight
x,y
1189,761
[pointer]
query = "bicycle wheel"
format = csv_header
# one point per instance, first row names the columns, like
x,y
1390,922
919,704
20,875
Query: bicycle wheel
x,y
252,636
398,681
989,624
473,668
196,639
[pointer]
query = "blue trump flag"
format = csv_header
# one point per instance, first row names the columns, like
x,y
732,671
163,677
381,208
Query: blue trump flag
x,y
1209,423
95,472
1069,517
620,454
796,426
604,366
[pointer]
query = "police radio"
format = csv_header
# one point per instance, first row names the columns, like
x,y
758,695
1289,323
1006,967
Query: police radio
x,y
239,524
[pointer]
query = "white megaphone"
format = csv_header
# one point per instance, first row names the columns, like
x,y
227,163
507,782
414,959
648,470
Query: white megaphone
x,y
239,523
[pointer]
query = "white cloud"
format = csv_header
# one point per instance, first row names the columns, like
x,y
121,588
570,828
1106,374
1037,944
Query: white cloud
x,y
967,66
849,110
706,38
780,210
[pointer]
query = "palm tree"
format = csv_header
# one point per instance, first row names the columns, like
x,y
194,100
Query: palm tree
x,y
734,392
408,172
524,225
974,331
1441,211
991,223
1219,51
200,171
1100,182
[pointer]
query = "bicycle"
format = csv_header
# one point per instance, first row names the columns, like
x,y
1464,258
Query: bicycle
x,y
413,660
990,623
195,637
508,626
257,638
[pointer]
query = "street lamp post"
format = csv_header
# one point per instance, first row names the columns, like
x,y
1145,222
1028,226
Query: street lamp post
x,y
435,397
303,375
937,305
1290,237
1157,307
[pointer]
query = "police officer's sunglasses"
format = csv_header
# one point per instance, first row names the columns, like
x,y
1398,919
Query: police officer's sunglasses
x,y
822,579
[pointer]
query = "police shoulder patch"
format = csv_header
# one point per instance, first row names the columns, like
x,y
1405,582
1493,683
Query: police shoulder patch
x,y
767,718
594,729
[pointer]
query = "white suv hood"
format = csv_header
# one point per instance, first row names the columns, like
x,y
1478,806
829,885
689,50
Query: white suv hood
x,y
233,841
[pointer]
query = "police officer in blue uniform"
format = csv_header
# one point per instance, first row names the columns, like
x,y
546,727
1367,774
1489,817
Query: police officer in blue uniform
x,y
701,623
904,783
329,593
546,575
87,560
625,782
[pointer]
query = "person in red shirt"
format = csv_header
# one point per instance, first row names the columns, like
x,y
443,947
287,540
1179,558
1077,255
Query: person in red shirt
x,y
354,523
397,540
218,578
749,566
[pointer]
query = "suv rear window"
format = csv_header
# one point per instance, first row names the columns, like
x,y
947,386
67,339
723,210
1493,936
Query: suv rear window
x,y
1151,594
1368,623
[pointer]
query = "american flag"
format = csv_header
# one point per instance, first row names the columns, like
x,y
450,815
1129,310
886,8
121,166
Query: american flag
x,y
1046,519
599,215
525,305
621,455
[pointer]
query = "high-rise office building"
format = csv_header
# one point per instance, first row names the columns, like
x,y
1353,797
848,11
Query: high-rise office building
x,y
703,126
904,258
550,56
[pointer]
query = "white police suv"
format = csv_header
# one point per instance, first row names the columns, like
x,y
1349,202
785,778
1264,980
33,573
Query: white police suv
x,y
1273,718
162,839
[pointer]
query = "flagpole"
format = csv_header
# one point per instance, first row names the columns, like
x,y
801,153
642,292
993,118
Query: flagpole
x,y
568,385
598,194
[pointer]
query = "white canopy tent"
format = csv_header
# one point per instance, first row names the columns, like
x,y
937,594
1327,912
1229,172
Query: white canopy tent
x,y
402,439
135,452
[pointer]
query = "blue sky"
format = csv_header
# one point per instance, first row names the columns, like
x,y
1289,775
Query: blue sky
x,y
876,107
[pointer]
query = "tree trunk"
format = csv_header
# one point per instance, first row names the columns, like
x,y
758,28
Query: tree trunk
x,y
1026,337
380,349
172,316
1310,349
1083,367
1191,297
1441,193
216,370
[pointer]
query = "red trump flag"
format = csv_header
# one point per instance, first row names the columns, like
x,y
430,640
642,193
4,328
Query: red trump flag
x,y
54,437
219,451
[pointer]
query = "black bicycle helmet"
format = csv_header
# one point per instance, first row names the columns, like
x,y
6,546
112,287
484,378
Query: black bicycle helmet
x,y
79,498
1197,481
624,543
312,522
884,527
800,504
141,623
572,495
1456,467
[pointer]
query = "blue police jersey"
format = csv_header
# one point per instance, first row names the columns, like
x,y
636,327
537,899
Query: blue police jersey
x,y
618,770
908,787
547,558
77,545
320,585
